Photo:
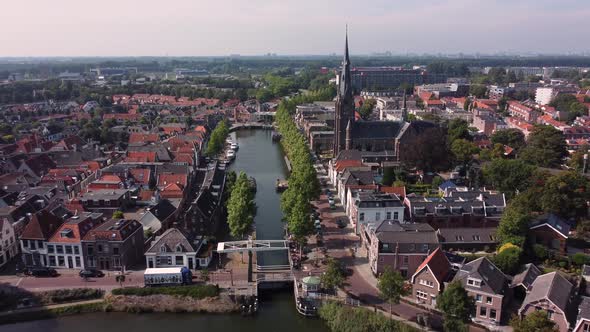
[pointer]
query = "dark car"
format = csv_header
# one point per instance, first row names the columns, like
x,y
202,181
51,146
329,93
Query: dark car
x,y
42,272
91,273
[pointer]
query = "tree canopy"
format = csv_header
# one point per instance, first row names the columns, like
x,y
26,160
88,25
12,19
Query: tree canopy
x,y
537,321
545,147
456,306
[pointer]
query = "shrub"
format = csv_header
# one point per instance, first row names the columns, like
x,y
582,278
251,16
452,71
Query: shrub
x,y
70,295
195,291
540,252
343,318
507,245
579,259
508,260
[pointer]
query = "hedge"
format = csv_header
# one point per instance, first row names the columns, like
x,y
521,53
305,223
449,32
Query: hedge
x,y
196,291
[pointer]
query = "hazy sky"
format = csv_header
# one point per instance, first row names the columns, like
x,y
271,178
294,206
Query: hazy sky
x,y
222,27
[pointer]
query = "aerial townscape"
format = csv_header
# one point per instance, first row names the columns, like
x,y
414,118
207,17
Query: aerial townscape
x,y
391,191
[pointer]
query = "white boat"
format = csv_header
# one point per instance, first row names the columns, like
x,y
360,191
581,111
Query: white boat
x,y
230,154
234,146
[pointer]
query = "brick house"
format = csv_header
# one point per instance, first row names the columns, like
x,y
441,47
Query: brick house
x,y
35,235
403,247
8,242
550,231
114,244
550,292
64,248
428,280
373,207
488,286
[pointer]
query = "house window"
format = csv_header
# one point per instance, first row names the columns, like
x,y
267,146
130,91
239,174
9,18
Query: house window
x,y
90,249
488,299
115,250
478,297
33,245
427,283
91,261
59,249
39,244
493,314
362,216
116,262
586,327
77,259
99,248
483,311
421,295
404,273
179,260
50,249
52,261
378,216
405,260
61,261
396,215
550,314
474,282
163,249
68,250
388,216
76,250
25,243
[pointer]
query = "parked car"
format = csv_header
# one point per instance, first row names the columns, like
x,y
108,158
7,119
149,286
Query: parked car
x,y
42,272
331,201
91,273
341,223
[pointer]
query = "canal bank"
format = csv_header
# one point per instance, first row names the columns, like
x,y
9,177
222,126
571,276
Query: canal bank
x,y
259,157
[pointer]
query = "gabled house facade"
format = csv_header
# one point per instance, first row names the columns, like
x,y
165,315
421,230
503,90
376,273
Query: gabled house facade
x,y
428,280
35,235
8,242
175,249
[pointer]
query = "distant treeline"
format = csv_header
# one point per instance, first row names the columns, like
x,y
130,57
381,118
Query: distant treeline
x,y
234,65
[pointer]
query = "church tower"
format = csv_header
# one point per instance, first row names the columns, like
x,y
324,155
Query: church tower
x,y
344,105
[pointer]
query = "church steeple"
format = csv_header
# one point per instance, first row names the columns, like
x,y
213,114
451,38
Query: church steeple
x,y
345,82
344,114
404,110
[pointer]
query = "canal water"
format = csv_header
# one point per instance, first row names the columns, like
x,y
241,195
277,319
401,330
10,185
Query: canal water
x,y
259,157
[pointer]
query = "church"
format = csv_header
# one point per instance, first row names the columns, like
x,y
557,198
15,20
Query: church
x,y
390,138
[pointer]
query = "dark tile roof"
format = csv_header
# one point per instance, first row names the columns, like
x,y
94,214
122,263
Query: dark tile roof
x,y
526,277
550,286
438,263
376,129
492,279
584,309
468,235
408,238
42,226
171,240
366,199
558,224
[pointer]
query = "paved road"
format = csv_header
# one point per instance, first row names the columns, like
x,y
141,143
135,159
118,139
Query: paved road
x,y
70,279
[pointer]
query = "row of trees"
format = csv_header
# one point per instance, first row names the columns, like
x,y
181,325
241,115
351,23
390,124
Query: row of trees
x,y
217,139
241,207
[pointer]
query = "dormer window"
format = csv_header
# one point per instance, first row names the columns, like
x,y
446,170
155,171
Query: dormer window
x,y
474,282
178,248
66,232
163,249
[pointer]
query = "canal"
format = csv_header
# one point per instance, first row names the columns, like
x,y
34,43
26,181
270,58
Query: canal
x,y
259,157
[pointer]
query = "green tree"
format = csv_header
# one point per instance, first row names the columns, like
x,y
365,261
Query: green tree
x,y
513,224
478,90
508,176
508,261
463,150
367,108
514,138
577,158
118,215
333,277
388,176
217,139
240,207
537,321
456,306
566,194
391,287
458,129
545,147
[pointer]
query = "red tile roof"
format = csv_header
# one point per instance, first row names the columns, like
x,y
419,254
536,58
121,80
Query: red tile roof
x,y
438,264
143,138
141,156
400,191
79,226
42,226
343,164
140,175
168,178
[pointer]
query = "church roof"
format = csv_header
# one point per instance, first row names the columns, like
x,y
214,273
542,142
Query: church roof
x,y
376,129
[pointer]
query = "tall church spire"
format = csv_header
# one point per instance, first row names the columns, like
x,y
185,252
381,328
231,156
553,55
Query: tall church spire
x,y
345,82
